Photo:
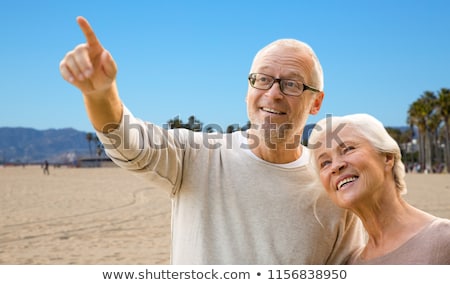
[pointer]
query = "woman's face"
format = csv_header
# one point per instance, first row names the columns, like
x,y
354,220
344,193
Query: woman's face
x,y
350,169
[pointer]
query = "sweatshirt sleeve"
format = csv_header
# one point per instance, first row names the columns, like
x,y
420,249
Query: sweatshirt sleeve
x,y
148,150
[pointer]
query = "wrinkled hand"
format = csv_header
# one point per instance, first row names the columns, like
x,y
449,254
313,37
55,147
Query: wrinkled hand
x,y
89,66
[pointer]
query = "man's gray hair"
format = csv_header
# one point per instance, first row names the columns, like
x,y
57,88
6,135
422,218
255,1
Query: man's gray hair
x,y
304,48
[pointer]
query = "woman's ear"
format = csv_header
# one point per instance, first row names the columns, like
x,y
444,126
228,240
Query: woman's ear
x,y
389,160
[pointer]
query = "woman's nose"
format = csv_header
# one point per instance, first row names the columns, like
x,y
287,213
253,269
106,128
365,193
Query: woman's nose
x,y
338,166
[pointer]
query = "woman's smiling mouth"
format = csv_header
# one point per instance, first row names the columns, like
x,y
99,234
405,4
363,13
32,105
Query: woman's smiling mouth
x,y
345,181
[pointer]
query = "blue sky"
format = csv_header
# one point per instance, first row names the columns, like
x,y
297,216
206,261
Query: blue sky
x,y
183,58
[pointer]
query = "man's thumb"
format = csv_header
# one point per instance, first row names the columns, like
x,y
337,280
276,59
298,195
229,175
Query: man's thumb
x,y
108,64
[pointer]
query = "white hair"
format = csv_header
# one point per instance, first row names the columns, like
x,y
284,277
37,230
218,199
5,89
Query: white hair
x,y
303,48
368,128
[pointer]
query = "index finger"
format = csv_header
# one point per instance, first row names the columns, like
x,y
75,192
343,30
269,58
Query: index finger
x,y
88,32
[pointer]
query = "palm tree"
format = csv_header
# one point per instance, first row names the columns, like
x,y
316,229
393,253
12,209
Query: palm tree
x,y
90,138
194,124
415,119
419,114
247,126
175,123
403,138
100,149
394,133
405,142
434,122
232,128
444,112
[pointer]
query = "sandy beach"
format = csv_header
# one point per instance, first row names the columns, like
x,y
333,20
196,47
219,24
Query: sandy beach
x,y
109,216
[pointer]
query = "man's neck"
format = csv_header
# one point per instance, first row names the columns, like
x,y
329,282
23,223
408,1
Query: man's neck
x,y
278,155
275,150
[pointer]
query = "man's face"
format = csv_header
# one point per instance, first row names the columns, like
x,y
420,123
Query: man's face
x,y
285,116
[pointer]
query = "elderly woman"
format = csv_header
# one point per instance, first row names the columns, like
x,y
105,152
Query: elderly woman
x,y
360,166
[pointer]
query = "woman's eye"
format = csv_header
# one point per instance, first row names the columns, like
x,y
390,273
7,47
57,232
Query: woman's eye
x,y
324,163
347,149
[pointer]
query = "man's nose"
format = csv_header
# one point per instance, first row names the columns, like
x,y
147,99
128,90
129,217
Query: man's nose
x,y
275,91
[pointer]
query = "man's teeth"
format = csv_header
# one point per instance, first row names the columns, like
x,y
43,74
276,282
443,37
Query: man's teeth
x,y
346,180
272,111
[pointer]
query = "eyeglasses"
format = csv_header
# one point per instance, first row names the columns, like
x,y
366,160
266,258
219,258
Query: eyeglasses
x,y
288,87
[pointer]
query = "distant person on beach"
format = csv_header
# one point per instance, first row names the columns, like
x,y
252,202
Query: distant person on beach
x,y
360,166
241,198
45,168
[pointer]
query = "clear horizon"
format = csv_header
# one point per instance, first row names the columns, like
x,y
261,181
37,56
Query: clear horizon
x,y
378,57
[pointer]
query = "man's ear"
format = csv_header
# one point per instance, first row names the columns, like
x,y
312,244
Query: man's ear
x,y
315,108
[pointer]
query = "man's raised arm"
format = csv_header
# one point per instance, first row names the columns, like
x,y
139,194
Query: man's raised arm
x,y
91,68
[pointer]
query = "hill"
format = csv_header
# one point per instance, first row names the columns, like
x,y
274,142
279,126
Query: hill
x,y
27,145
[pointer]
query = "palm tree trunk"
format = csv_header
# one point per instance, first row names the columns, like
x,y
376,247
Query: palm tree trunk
x,y
428,152
447,145
421,150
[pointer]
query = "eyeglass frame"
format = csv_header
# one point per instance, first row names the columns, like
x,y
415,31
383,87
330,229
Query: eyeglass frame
x,y
279,80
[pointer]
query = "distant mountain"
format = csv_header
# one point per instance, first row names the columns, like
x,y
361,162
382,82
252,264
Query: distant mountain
x,y
26,145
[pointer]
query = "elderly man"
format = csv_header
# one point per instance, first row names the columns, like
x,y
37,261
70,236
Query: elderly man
x,y
241,198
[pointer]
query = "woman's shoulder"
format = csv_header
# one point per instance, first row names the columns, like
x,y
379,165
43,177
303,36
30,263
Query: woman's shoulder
x,y
439,231
440,224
